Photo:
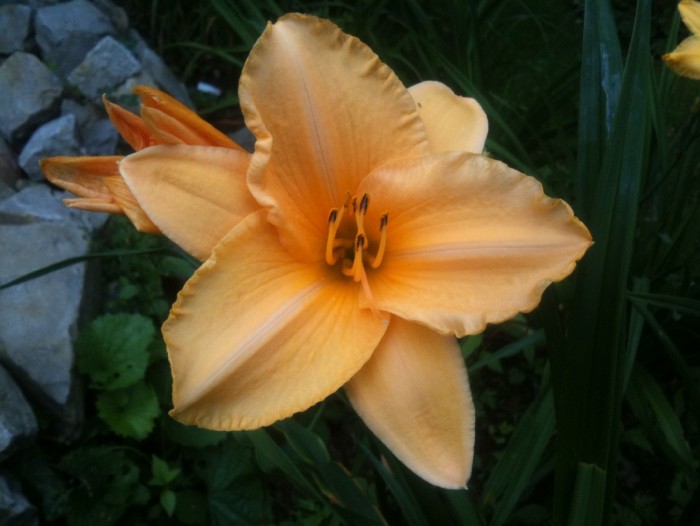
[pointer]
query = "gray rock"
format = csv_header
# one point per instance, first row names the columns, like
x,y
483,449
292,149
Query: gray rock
x,y
107,65
18,424
15,509
14,27
39,203
9,172
160,72
66,32
57,137
100,138
38,318
116,14
85,114
30,94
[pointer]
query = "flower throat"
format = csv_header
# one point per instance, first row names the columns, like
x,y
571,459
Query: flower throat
x,y
354,253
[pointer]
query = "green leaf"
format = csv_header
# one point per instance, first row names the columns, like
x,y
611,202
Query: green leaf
x,y
333,479
113,350
587,372
162,473
588,500
168,501
192,436
235,493
658,416
108,484
601,78
513,473
129,412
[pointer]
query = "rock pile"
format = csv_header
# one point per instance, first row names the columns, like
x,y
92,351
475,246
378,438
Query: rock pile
x,y
56,60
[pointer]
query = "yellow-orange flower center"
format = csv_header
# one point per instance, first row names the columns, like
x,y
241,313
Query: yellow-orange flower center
x,y
349,244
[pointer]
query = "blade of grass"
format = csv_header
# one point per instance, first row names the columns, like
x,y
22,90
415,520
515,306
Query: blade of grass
x,y
333,480
653,409
402,493
511,349
513,473
53,267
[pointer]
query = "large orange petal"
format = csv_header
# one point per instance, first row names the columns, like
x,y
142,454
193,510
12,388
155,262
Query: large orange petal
x,y
685,59
451,122
413,393
171,122
325,111
195,194
470,241
256,336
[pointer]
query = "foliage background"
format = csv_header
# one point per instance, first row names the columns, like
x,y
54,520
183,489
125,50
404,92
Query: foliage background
x,y
587,408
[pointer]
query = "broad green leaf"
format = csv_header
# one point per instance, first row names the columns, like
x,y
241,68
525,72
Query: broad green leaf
x,y
588,499
131,411
601,79
113,350
587,372
192,436
235,494
273,455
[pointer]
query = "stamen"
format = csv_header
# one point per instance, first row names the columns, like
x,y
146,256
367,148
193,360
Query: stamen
x,y
334,219
377,259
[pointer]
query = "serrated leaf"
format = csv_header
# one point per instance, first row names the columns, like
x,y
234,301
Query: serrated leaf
x,y
129,412
113,350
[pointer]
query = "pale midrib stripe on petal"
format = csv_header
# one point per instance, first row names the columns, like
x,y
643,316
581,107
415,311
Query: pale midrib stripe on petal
x,y
466,252
313,120
265,332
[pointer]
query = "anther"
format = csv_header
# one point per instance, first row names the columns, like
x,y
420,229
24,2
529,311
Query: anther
x,y
333,223
377,260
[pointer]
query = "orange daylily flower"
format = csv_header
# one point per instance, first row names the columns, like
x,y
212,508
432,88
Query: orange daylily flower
x,y
97,181
685,59
361,238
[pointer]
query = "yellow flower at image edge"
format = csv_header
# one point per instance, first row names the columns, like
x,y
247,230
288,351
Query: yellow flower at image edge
x,y
361,238
685,59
